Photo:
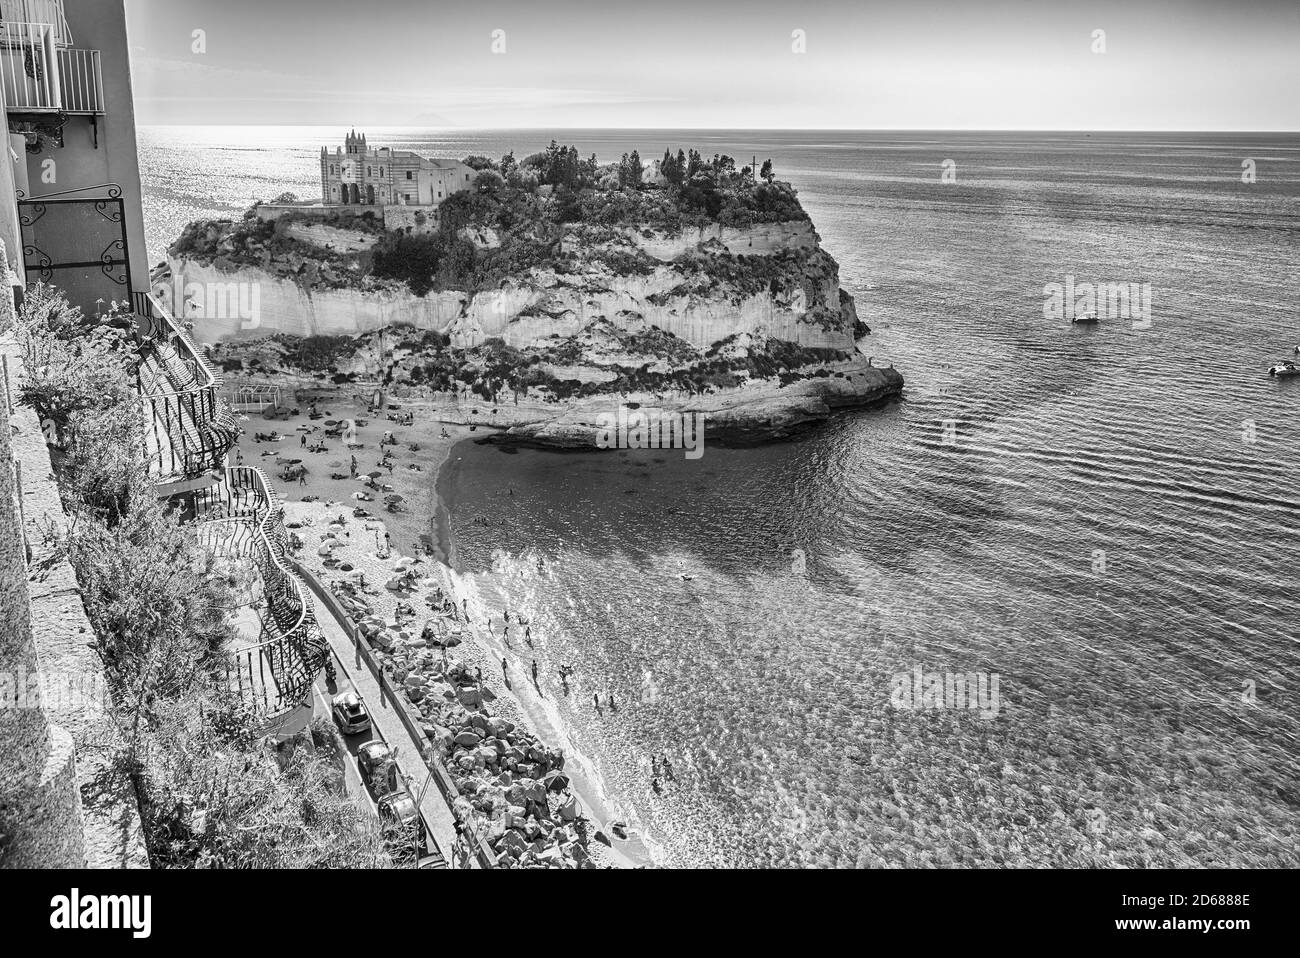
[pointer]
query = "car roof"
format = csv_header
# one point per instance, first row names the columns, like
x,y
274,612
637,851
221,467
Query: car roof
x,y
347,698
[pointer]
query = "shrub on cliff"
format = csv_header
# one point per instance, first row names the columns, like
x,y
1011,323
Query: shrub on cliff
x,y
412,259
213,797
316,353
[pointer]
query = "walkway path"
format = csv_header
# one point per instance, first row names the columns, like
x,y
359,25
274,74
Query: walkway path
x,y
383,713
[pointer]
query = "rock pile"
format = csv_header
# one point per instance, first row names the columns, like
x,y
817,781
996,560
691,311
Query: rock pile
x,y
514,793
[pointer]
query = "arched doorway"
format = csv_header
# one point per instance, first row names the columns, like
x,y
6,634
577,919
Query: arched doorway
x,y
370,195
356,193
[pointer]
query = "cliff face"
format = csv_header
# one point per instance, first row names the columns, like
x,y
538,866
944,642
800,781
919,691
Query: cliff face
x,y
557,323
679,294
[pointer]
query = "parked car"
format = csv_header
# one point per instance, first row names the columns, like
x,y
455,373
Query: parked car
x,y
403,828
350,714
377,768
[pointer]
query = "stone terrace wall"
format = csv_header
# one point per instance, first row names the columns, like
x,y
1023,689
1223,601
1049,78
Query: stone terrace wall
x,y
111,836
40,809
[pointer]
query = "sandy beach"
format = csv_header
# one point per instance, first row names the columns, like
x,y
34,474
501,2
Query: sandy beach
x,y
326,491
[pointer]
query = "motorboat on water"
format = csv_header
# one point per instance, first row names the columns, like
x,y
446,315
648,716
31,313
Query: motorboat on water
x,y
1284,369
1086,318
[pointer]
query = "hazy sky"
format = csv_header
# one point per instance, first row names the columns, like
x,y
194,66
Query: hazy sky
x,y
1011,64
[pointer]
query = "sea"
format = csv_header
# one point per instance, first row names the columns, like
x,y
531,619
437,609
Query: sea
x,y
1092,528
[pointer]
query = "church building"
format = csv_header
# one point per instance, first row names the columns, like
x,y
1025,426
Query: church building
x,y
358,175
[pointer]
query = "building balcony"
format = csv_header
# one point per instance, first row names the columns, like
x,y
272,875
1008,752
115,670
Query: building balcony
x,y
240,518
189,429
49,12
41,76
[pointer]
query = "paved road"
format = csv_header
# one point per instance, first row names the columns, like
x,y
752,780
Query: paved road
x,y
353,672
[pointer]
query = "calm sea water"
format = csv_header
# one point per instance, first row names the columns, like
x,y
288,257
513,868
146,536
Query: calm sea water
x,y
1112,533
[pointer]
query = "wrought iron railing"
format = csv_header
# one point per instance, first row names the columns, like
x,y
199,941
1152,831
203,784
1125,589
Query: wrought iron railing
x,y
81,82
192,427
242,518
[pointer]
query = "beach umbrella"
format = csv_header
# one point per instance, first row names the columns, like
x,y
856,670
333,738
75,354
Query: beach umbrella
x,y
374,475
394,498
331,422
555,781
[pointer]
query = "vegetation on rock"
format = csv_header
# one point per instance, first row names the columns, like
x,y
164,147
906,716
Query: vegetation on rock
x,y
210,794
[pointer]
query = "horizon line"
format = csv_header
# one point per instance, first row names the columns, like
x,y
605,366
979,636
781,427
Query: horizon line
x,y
737,129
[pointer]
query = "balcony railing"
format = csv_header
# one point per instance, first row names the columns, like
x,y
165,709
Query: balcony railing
x,y
39,75
81,79
38,11
188,428
243,519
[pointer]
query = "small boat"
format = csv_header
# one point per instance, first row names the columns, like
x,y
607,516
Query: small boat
x,y
1284,369
1085,318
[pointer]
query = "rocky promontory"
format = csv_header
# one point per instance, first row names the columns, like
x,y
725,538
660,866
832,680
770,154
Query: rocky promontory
x,y
552,292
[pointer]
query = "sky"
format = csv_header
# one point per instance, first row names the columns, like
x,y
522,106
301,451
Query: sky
x,y
758,64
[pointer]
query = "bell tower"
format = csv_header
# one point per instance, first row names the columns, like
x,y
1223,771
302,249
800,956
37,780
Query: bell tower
x,y
356,144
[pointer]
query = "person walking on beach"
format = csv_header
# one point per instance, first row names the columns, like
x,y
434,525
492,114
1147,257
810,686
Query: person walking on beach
x,y
504,667
302,440
667,767
464,609
505,633
595,700
507,616
528,635
478,674
534,671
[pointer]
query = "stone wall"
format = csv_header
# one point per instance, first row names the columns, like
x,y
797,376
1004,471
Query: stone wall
x,y
418,219
40,807
102,806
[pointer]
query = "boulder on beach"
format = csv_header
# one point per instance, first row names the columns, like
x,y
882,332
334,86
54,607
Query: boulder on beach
x,y
568,809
